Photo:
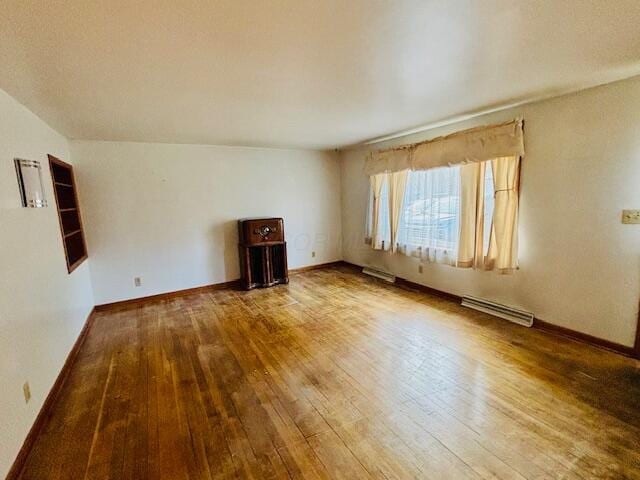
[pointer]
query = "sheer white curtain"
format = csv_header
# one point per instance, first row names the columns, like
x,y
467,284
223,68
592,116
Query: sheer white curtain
x,y
429,224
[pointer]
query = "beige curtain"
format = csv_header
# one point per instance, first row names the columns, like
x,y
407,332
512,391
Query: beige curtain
x,y
502,254
397,184
478,144
389,160
471,241
377,182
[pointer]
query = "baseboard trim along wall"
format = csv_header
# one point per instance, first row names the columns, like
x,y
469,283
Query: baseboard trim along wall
x,y
315,267
409,285
189,291
165,296
584,338
633,352
47,406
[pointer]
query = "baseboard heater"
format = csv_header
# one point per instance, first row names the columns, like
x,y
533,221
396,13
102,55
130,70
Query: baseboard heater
x,y
387,277
508,313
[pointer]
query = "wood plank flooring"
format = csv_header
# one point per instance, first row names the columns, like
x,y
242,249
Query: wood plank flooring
x,y
336,376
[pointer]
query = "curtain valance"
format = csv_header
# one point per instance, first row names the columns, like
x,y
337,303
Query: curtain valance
x,y
390,160
474,145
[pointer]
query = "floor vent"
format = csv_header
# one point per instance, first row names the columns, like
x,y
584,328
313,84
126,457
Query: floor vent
x,y
508,313
387,277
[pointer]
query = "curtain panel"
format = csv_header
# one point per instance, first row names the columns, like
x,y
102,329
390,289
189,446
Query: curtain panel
x,y
397,185
471,236
377,236
502,254
474,145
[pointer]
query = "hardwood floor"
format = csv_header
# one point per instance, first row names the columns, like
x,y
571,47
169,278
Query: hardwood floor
x,y
336,375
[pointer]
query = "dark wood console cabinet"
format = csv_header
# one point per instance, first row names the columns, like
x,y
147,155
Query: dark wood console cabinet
x,y
263,252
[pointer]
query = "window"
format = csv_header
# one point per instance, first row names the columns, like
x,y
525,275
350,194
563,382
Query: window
x,y
431,211
452,199
430,220
64,188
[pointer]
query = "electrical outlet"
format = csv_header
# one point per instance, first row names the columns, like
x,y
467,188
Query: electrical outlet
x,y
137,281
419,268
313,254
27,392
631,216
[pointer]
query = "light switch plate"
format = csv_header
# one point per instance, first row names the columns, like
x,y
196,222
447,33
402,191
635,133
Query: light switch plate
x,y
630,216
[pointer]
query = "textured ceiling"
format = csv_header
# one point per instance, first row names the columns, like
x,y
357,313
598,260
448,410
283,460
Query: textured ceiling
x,y
297,73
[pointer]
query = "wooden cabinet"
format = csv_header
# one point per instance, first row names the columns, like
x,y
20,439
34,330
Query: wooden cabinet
x,y
263,252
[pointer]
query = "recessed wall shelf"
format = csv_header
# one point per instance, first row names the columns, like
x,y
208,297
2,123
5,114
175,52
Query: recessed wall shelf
x,y
64,188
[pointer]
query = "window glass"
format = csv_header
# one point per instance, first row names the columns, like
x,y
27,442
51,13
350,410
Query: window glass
x,y
488,206
431,210
385,220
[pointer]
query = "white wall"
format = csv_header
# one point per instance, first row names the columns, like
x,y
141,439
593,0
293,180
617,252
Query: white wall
x,y
42,307
168,213
579,266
